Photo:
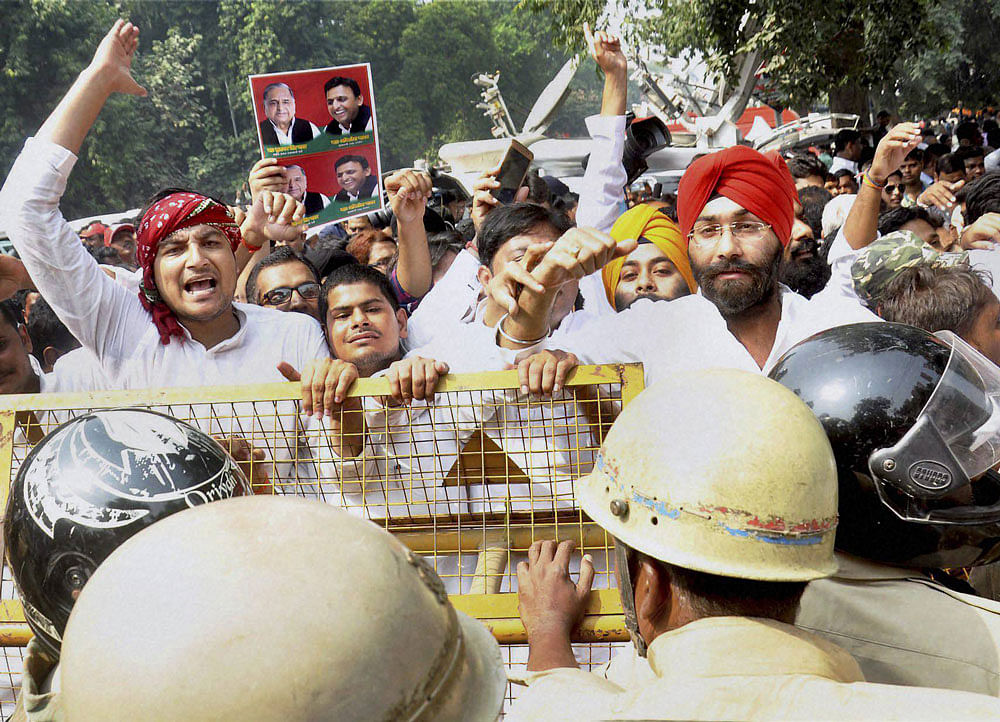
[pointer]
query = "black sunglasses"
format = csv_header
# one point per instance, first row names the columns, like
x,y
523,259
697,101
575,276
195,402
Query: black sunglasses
x,y
283,294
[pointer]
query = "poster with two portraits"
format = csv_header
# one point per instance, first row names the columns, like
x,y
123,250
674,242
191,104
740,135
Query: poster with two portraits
x,y
321,127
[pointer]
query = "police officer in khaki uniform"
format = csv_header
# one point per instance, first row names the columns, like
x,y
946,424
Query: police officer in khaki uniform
x,y
914,422
716,535
261,609
82,491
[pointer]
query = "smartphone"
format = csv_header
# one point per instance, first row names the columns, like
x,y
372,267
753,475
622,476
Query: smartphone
x,y
514,167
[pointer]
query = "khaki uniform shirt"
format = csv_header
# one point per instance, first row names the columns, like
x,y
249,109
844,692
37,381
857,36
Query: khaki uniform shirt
x,y
737,668
904,628
39,699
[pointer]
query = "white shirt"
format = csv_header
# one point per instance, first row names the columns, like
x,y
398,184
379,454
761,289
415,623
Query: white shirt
x,y
286,138
78,370
689,333
602,197
346,129
110,321
987,260
843,163
452,300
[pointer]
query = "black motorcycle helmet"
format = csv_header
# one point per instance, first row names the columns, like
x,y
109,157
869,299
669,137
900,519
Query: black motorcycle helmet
x,y
91,484
914,423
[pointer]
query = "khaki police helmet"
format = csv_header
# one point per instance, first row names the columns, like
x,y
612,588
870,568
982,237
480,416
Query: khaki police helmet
x,y
273,608
719,471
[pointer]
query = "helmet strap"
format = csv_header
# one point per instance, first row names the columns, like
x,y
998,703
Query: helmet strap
x,y
626,590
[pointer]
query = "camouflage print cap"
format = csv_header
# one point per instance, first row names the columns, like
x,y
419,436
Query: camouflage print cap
x,y
881,260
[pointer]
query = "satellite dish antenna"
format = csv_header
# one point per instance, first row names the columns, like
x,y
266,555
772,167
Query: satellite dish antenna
x,y
550,99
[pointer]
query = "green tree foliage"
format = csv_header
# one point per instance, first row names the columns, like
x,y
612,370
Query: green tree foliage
x,y
811,48
957,66
197,128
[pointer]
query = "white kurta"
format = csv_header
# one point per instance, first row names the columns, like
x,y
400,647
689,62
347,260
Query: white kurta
x,y
689,333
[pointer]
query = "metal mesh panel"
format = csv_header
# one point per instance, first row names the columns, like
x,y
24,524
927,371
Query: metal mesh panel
x,y
469,481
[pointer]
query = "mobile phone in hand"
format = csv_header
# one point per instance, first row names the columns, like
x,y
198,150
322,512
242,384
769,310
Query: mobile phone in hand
x,y
513,169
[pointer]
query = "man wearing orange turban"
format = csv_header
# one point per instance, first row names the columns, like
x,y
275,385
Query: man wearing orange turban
x,y
737,211
658,269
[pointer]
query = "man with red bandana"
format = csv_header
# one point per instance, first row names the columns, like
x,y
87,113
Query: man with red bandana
x,y
182,327
736,211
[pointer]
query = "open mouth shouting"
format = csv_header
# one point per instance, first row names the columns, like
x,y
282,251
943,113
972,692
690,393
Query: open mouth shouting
x,y
199,289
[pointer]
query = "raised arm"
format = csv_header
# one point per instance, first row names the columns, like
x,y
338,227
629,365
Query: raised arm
x,y
109,72
408,193
601,200
578,253
64,272
861,226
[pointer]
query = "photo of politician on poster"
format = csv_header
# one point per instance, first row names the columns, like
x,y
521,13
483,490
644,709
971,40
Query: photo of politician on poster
x,y
321,125
334,186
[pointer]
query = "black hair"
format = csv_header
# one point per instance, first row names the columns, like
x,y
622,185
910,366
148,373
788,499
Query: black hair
x,y
341,80
441,243
844,172
893,220
950,163
915,154
713,595
351,159
845,137
538,190
982,196
969,131
970,151
815,194
278,257
882,114
355,273
506,222
467,228
107,256
937,150
45,329
935,298
993,138
11,313
804,166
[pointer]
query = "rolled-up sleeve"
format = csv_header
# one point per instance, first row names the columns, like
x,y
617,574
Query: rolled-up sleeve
x,y
100,313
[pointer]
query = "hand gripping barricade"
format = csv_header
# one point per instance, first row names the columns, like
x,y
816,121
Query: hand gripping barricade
x,y
914,421
746,486
89,485
366,631
459,481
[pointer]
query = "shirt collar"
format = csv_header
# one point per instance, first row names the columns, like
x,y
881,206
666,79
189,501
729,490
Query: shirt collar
x,y
227,343
744,646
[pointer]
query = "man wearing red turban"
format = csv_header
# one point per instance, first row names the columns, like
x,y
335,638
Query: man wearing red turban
x,y
736,209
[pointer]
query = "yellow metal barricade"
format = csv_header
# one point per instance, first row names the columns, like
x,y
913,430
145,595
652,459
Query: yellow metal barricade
x,y
470,481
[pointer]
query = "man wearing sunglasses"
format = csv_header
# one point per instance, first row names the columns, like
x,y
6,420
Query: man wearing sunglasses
x,y
285,281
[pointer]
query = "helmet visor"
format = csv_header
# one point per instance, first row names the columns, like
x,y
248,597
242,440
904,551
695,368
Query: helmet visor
x,y
936,473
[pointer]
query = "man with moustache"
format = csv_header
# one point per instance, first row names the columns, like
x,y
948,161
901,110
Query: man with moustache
x,y
737,209
657,270
803,268
280,126
297,188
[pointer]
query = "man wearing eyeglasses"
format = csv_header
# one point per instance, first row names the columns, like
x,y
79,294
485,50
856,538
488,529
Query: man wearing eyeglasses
x,y
737,209
285,281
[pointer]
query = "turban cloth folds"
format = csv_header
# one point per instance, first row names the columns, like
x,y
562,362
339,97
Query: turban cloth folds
x,y
759,182
650,224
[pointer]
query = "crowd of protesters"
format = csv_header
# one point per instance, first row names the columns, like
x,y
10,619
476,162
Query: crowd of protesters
x,y
754,255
